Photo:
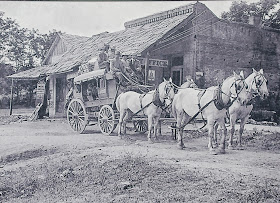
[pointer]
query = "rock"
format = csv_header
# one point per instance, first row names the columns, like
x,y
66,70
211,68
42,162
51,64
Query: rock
x,y
125,185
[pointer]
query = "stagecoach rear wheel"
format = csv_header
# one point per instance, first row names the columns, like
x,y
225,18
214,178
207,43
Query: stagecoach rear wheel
x,y
106,120
141,126
76,115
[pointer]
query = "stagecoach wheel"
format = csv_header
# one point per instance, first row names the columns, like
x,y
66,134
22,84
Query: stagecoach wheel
x,y
141,126
76,115
106,120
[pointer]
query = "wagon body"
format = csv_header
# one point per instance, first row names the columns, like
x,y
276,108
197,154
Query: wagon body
x,y
93,102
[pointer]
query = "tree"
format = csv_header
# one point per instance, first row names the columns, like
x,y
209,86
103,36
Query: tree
x,y
266,9
20,49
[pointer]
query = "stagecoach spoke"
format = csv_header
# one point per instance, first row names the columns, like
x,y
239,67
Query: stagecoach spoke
x,y
76,115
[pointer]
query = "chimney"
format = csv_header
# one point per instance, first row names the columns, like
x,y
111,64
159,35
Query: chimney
x,y
255,20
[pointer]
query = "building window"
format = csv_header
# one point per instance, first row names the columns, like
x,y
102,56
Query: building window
x,y
177,61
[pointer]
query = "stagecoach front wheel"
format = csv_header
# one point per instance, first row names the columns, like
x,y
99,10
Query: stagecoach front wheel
x,y
106,120
76,115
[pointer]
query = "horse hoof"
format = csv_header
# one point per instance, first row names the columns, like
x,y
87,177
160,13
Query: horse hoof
x,y
181,146
230,147
215,145
213,151
222,151
240,147
150,141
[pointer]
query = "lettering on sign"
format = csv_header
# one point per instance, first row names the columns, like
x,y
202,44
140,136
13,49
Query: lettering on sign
x,y
158,63
154,62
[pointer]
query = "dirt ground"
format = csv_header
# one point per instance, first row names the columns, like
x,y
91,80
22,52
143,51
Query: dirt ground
x,y
45,161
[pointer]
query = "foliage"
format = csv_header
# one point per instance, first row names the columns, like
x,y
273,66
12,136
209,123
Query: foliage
x,y
268,10
20,49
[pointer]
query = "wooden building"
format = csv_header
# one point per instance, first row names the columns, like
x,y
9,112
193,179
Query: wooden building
x,y
192,38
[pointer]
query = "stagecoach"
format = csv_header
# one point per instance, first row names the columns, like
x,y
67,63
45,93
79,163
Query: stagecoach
x,y
93,102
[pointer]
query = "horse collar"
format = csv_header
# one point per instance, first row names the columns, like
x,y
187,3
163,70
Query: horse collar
x,y
156,100
218,101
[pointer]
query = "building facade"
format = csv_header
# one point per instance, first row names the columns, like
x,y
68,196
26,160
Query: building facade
x,y
193,40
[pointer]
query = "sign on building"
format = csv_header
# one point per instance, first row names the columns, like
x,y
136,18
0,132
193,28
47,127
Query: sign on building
x,y
154,62
40,92
152,75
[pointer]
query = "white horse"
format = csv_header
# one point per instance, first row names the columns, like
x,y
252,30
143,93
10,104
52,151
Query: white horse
x,y
212,103
149,104
257,86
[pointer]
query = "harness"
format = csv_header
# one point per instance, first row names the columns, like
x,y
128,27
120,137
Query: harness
x,y
156,100
199,96
218,101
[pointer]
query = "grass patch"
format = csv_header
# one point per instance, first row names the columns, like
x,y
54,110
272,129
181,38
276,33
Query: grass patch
x,y
261,141
129,178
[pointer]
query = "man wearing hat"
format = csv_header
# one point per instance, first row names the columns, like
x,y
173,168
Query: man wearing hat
x,y
116,66
102,59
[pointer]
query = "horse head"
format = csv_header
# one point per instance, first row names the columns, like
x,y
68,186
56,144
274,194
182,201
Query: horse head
x,y
166,91
236,88
258,84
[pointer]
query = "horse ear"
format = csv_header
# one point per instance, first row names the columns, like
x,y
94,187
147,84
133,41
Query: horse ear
x,y
234,73
254,71
242,74
170,80
164,80
261,71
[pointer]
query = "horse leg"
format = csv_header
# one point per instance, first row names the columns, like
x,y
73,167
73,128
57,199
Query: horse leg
x,y
215,139
242,124
122,115
127,116
156,127
232,131
180,127
210,125
224,134
150,127
159,128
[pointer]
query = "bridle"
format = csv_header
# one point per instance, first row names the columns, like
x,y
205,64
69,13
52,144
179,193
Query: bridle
x,y
258,83
236,83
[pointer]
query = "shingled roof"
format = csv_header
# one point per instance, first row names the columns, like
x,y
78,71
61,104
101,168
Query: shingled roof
x,y
136,38
32,73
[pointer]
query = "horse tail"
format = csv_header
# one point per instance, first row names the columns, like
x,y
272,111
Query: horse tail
x,y
173,110
118,102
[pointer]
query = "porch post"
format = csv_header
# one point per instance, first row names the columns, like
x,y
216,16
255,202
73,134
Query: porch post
x,y
11,99
147,67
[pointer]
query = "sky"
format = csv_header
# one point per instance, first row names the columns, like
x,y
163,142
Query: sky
x,y
90,17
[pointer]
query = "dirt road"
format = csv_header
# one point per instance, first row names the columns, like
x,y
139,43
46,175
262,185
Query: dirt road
x,y
34,154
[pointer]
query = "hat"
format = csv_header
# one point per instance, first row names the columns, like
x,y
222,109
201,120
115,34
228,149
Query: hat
x,y
117,53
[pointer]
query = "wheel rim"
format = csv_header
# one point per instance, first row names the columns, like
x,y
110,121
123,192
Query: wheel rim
x,y
76,116
106,120
141,126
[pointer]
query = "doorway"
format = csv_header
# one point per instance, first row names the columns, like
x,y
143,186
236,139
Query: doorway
x,y
176,76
